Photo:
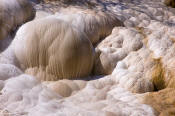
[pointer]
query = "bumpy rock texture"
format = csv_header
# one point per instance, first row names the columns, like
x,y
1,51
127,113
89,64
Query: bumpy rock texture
x,y
133,66
25,95
163,101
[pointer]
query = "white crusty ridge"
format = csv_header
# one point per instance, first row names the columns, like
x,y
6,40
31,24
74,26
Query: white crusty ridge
x,y
25,95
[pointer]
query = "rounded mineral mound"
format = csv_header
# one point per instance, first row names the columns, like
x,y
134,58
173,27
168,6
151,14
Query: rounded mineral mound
x,y
51,49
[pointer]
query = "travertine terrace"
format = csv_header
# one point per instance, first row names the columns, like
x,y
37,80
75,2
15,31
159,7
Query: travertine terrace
x,y
87,58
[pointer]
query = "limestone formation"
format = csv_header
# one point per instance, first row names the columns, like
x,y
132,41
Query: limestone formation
x,y
66,88
96,24
133,70
52,49
25,95
163,101
116,47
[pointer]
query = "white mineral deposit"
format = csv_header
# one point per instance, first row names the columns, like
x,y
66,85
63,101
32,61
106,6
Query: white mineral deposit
x,y
87,58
